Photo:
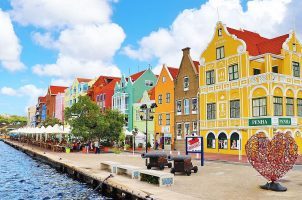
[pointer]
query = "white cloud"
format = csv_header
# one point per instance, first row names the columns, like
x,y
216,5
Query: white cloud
x,y
8,91
60,13
10,48
194,27
81,33
29,91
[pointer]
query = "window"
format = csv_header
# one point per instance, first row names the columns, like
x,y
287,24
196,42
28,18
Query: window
x,y
160,119
222,141
219,53
289,106
186,106
179,133
186,83
211,143
233,72
257,71
167,97
138,117
219,32
178,107
259,107
235,108
211,110
164,79
275,69
294,47
278,104
210,77
148,83
296,69
194,126
299,107
167,119
187,129
194,105
160,99
235,141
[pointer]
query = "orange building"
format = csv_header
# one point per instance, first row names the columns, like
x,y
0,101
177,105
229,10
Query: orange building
x,y
164,98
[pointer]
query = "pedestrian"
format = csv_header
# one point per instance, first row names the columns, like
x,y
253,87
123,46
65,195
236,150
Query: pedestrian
x,y
96,146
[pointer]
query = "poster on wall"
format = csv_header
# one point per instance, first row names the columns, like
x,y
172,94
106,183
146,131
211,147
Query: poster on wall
x,y
193,144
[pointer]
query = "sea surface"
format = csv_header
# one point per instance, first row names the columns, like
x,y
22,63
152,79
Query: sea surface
x,y
22,177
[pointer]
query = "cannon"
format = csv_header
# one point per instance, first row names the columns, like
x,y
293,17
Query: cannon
x,y
182,164
159,160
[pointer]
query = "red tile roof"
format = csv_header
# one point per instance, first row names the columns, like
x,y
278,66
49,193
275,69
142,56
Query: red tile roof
x,y
42,99
135,76
256,44
151,93
83,80
110,86
173,71
196,65
56,89
273,45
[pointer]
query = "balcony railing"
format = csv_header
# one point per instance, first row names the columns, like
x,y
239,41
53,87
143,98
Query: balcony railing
x,y
253,80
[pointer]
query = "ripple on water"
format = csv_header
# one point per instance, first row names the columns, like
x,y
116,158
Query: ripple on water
x,y
24,178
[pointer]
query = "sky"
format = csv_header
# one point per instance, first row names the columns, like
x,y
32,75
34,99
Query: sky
x,y
46,42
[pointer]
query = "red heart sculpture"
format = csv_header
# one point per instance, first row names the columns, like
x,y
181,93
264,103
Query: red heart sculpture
x,y
272,159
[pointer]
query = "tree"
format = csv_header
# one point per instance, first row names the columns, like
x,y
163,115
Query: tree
x,y
110,125
88,122
83,117
51,122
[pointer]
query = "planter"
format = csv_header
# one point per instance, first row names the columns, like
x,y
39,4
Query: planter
x,y
67,150
106,149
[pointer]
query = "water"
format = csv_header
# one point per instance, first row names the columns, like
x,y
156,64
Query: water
x,y
22,177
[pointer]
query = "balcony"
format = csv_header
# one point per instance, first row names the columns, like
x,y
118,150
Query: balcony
x,y
252,80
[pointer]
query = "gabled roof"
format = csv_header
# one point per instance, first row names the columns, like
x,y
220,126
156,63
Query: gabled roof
x,y
135,76
196,65
104,80
256,44
110,86
151,93
173,71
83,80
53,90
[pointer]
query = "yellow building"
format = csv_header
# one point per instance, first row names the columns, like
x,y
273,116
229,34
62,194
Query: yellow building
x,y
78,88
249,84
164,98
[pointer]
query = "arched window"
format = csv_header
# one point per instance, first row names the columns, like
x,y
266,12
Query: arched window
x,y
211,142
222,141
235,141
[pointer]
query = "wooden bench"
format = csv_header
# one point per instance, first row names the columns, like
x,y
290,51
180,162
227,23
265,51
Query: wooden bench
x,y
128,170
109,166
156,177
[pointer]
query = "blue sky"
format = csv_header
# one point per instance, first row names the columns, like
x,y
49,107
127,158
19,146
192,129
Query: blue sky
x,y
138,33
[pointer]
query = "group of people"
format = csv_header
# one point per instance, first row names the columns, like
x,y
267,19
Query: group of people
x,y
89,146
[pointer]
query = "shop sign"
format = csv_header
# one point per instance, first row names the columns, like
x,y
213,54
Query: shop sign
x,y
285,121
193,144
260,122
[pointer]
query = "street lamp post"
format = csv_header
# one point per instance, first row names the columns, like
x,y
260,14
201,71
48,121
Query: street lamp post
x,y
146,111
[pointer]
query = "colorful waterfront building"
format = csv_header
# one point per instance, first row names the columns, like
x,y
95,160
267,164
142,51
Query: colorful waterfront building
x,y
139,119
50,99
31,116
249,84
78,88
130,90
59,109
40,110
164,99
102,90
185,99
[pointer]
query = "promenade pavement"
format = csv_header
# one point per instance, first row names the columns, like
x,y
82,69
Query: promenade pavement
x,y
215,180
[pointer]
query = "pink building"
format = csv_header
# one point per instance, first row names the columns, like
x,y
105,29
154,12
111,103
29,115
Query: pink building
x,y
59,112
